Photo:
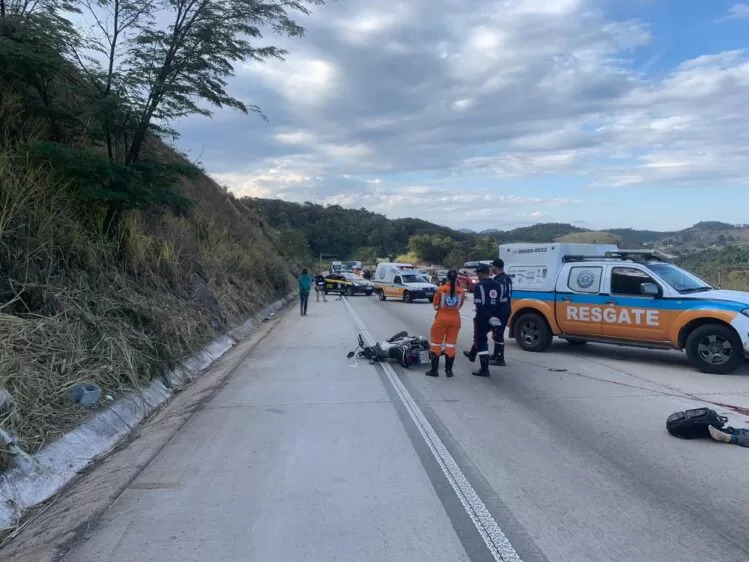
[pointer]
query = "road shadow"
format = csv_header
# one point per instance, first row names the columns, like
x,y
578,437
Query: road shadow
x,y
601,351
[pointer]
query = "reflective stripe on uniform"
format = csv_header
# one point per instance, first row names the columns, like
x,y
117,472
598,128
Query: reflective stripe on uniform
x,y
449,345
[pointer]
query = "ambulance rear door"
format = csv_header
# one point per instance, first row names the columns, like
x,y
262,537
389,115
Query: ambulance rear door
x,y
629,313
577,297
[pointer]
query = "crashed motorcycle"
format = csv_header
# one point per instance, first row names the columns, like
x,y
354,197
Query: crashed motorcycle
x,y
406,350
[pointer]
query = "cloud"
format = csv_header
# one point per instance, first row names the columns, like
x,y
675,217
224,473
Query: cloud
x,y
468,98
738,11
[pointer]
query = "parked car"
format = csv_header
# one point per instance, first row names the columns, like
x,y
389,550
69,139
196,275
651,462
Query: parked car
x,y
347,284
439,277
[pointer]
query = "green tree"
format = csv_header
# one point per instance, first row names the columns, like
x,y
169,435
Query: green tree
x,y
176,71
455,259
431,248
295,244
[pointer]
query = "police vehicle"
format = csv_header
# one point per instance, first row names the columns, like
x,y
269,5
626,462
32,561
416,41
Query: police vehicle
x,y
347,284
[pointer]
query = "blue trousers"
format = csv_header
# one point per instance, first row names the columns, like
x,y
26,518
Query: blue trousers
x,y
498,335
303,300
481,331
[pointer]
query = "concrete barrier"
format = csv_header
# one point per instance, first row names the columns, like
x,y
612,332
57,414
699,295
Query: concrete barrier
x,y
56,464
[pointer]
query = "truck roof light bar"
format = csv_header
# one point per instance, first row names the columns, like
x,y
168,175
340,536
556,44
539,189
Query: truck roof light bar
x,y
630,255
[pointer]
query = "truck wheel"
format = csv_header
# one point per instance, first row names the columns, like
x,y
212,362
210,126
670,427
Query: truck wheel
x,y
532,332
407,296
381,295
714,349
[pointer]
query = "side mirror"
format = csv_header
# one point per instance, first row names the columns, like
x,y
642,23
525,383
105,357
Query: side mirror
x,y
350,354
650,290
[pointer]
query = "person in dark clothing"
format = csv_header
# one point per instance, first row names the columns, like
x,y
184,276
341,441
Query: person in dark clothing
x,y
320,288
305,286
505,300
488,309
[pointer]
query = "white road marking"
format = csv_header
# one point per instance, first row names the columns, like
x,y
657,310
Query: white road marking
x,y
495,539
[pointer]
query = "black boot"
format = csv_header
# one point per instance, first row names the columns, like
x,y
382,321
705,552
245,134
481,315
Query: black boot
x,y
484,370
433,372
449,366
498,357
470,355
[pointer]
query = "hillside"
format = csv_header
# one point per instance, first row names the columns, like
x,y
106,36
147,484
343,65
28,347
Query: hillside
x,y
703,236
727,268
347,233
360,234
593,237
116,260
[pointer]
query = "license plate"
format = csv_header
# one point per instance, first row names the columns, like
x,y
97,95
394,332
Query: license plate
x,y
423,357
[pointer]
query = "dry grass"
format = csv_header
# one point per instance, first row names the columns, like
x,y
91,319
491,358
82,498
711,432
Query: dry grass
x,y
592,238
76,306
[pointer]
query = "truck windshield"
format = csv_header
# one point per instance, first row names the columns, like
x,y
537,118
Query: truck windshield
x,y
410,278
679,279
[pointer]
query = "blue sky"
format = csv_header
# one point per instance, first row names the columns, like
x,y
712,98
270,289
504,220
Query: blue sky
x,y
497,114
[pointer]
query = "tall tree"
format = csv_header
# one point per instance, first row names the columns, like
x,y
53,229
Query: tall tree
x,y
178,70
113,21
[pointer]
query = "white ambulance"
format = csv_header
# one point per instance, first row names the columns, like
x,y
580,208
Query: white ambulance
x,y
596,292
401,281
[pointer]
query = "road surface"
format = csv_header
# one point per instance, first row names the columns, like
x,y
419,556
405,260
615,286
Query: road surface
x,y
306,455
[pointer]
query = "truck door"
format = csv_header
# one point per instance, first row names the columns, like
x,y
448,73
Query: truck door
x,y
629,314
576,306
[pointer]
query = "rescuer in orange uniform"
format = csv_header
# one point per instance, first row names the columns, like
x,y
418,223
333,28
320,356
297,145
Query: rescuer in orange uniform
x,y
447,301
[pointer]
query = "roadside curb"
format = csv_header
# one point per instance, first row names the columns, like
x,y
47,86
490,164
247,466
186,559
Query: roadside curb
x,y
59,462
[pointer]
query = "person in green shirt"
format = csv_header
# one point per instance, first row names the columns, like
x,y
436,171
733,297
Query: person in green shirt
x,y
305,286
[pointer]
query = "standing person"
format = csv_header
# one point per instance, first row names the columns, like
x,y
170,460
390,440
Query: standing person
x,y
488,309
305,286
505,300
448,300
320,288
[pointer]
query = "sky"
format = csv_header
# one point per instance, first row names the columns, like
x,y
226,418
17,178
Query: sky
x,y
489,114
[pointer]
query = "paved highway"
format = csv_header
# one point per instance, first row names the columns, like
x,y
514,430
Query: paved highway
x,y
306,455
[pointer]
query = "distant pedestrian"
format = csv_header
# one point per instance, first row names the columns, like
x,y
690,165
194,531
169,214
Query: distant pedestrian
x,y
320,288
488,310
305,286
505,301
448,301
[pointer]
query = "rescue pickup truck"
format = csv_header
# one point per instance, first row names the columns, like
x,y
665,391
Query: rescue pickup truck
x,y
596,292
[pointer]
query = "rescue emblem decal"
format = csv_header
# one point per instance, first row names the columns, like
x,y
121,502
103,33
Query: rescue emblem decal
x,y
585,279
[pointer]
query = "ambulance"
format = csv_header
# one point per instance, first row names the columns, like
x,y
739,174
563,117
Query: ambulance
x,y
401,281
599,293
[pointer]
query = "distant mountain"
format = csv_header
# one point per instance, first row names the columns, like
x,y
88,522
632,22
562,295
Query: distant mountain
x,y
638,237
361,234
593,237
712,225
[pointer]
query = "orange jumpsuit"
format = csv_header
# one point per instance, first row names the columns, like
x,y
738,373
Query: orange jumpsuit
x,y
447,321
